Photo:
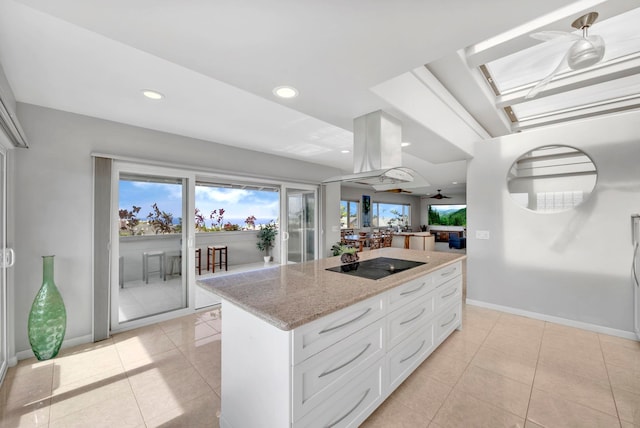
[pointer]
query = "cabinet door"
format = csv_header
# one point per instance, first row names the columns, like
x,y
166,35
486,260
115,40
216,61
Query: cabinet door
x,y
410,291
318,378
351,405
412,316
448,292
446,273
405,357
450,319
312,338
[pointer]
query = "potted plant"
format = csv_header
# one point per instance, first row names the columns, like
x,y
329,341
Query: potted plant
x,y
266,238
347,253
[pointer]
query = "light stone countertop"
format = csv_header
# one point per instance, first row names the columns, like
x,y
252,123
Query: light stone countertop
x,y
292,295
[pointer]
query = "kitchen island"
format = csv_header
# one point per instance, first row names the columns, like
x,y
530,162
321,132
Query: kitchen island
x,y
303,346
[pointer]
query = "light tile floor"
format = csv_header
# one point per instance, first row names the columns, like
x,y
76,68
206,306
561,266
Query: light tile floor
x,y
501,370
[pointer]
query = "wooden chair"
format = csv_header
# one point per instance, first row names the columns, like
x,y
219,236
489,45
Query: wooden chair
x,y
386,239
375,241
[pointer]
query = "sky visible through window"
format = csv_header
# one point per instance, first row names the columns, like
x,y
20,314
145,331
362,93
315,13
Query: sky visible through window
x,y
238,204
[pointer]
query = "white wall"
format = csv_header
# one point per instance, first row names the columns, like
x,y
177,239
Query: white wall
x,y
355,194
574,265
53,203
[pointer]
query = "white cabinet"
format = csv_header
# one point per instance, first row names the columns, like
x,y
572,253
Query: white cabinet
x,y
334,371
324,332
320,377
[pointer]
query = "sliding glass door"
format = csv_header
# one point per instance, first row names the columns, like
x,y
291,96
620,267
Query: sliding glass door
x,y
300,225
149,258
4,263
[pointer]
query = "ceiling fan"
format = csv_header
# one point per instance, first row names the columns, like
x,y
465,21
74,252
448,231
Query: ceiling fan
x,y
440,195
397,190
584,52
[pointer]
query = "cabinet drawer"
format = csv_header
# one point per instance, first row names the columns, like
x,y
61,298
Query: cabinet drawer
x,y
408,292
412,316
322,375
312,338
350,405
449,292
405,357
450,319
446,273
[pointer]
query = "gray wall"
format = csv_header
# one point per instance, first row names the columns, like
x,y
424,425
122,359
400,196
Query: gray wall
x,y
575,264
53,203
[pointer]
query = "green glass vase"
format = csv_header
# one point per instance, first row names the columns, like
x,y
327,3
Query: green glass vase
x,y
48,316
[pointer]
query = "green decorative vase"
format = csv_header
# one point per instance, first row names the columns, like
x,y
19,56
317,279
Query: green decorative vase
x,y
48,316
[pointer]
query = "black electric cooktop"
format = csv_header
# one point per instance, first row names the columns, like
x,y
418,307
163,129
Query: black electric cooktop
x,y
377,268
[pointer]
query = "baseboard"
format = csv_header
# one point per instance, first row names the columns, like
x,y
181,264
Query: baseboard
x,y
563,321
28,353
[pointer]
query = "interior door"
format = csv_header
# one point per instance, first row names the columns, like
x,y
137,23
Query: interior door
x,y
300,236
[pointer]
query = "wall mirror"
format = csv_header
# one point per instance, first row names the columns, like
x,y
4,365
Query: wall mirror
x,y
552,178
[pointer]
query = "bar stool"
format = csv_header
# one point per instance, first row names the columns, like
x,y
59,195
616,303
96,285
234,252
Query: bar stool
x,y
174,263
211,256
199,260
145,265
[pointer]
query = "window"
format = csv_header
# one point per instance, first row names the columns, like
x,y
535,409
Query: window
x,y
149,205
391,215
349,218
222,206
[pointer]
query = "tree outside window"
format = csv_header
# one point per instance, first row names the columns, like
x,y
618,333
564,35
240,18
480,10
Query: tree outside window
x,y
349,218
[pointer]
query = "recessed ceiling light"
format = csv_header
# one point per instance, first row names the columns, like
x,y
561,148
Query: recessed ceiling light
x,y
152,95
285,92
345,151
454,182
405,144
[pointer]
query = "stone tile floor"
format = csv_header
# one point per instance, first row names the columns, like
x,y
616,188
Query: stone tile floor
x,y
501,370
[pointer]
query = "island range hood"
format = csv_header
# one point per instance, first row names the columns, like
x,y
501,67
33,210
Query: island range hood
x,y
377,153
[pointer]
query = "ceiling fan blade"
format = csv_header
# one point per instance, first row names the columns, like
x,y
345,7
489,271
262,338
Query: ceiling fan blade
x,y
545,36
544,82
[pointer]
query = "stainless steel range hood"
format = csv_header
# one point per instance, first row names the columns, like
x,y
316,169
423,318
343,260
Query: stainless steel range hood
x,y
377,153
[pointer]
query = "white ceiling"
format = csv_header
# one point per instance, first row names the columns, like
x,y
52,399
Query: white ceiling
x,y
218,61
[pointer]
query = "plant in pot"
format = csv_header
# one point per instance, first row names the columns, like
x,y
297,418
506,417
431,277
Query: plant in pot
x,y
347,253
266,238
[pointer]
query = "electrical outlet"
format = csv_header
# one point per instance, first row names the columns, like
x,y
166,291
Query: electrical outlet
x,y
482,234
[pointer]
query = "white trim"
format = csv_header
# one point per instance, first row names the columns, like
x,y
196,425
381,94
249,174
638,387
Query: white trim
x,y
28,353
557,320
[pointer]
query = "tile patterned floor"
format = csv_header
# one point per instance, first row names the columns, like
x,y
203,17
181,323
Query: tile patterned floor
x,y
501,370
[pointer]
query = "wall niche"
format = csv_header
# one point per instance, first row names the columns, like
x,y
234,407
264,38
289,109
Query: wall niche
x,y
552,178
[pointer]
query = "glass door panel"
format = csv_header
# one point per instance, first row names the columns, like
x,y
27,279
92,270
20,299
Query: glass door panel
x,y
151,249
300,238
4,263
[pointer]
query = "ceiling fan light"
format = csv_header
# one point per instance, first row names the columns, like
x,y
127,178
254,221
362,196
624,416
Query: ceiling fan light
x,y
585,53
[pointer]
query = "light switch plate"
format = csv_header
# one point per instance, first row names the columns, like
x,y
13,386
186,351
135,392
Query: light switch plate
x,y
482,234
